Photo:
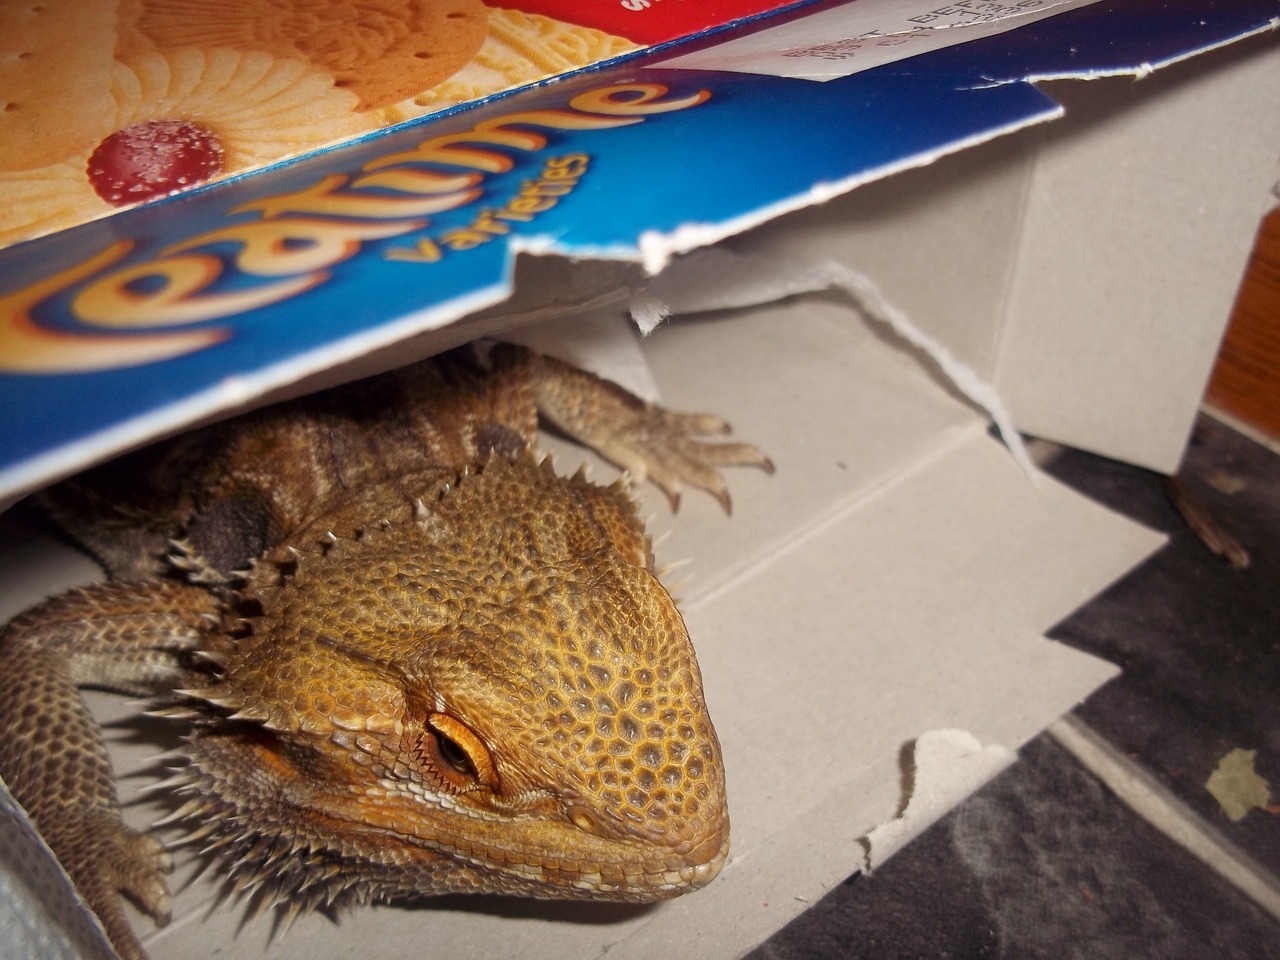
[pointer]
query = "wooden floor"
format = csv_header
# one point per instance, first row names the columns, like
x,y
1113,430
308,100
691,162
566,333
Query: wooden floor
x,y
1246,380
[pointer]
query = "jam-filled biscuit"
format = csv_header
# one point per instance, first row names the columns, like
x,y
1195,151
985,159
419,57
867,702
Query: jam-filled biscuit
x,y
380,50
177,118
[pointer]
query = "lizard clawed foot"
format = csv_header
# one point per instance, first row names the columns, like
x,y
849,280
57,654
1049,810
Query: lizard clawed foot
x,y
108,862
139,872
646,440
660,445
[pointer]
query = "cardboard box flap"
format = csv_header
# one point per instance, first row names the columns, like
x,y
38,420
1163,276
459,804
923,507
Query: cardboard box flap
x,y
1044,261
1133,248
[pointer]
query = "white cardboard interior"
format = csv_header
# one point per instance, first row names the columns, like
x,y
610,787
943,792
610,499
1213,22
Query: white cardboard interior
x,y
1086,266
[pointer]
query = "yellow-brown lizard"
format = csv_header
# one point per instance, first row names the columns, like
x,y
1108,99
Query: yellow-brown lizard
x,y
415,660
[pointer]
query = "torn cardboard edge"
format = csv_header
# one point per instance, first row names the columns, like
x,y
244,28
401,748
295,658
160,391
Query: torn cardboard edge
x,y
656,249
1146,69
945,767
717,279
835,43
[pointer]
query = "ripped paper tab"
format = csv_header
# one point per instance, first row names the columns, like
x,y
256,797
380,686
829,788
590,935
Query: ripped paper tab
x,y
949,765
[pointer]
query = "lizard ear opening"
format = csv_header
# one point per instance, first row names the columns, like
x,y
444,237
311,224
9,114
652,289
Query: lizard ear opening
x,y
458,755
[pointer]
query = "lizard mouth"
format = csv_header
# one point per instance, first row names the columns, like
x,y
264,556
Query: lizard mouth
x,y
323,847
554,859
702,868
635,882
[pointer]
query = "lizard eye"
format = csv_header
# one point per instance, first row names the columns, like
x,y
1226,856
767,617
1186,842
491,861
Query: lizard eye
x,y
458,755
453,756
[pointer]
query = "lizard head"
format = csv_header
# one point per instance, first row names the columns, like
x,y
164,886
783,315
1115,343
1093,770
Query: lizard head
x,y
495,696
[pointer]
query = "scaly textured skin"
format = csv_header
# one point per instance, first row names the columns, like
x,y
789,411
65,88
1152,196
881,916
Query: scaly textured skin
x,y
414,659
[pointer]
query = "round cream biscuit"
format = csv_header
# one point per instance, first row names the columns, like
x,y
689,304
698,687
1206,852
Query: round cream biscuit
x,y
380,50
261,109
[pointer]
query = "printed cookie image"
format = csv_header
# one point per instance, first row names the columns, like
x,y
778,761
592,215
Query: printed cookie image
x,y
520,48
109,103
53,65
259,108
182,117
381,50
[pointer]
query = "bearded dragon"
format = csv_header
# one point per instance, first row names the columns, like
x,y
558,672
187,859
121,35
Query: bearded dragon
x,y
414,660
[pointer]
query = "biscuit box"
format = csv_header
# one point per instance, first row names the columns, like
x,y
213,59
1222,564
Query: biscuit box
x,y
880,227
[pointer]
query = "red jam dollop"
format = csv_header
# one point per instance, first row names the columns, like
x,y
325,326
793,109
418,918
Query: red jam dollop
x,y
154,159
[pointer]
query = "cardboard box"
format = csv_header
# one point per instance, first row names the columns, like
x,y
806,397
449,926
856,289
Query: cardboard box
x,y
870,621
1086,266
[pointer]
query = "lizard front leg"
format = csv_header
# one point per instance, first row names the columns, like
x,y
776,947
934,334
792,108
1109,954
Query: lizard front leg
x,y
122,636
642,438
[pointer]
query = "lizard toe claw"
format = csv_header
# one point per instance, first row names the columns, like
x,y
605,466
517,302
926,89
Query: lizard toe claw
x,y
645,439
108,862
663,446
139,873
